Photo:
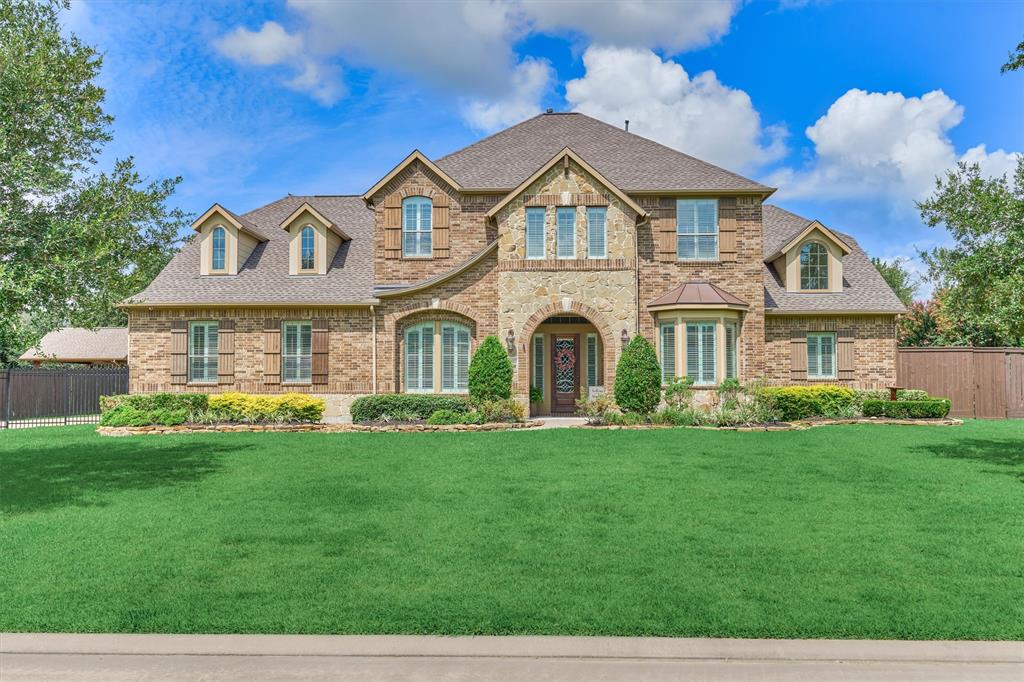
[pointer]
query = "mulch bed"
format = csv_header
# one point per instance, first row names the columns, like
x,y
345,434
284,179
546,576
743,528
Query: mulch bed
x,y
306,428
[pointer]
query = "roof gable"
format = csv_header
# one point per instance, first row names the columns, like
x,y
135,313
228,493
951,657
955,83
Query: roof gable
x,y
306,208
416,155
811,227
238,222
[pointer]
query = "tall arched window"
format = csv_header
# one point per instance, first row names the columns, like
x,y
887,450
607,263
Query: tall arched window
x,y
423,363
813,266
218,244
308,248
416,223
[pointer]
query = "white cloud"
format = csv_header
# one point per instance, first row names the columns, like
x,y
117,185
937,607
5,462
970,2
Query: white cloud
x,y
269,45
883,145
530,81
699,116
994,164
673,27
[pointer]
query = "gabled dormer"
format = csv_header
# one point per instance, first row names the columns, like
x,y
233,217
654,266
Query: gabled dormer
x,y
226,241
812,261
313,241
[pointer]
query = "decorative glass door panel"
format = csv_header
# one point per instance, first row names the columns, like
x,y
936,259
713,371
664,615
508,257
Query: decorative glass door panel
x,y
565,372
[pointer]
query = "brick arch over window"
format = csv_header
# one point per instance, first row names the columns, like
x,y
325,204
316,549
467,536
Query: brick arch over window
x,y
397,322
608,340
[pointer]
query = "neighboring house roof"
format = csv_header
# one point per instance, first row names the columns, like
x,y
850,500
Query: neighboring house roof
x,y
864,290
76,344
263,278
631,162
697,294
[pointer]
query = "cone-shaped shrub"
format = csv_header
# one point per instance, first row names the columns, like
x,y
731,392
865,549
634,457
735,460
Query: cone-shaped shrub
x,y
638,378
490,372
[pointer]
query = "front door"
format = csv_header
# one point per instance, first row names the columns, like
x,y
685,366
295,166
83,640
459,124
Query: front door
x,y
565,368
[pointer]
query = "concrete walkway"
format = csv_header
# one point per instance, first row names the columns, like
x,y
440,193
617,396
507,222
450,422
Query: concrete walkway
x,y
284,657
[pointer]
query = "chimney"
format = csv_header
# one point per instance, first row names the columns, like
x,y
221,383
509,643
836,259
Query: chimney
x,y
549,111
627,125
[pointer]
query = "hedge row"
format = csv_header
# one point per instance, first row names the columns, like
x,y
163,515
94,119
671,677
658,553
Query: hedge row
x,y
907,409
171,409
801,402
405,406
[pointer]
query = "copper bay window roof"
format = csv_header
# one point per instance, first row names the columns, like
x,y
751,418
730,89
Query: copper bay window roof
x,y
697,294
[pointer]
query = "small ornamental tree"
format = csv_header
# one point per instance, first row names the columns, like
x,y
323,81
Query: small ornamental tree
x,y
638,378
490,372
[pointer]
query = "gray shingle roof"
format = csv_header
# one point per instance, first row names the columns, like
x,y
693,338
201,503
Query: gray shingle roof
x,y
78,344
264,277
864,290
631,162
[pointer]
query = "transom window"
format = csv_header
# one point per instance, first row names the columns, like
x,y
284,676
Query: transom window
x,y
700,352
813,266
218,247
307,242
535,233
202,352
697,229
597,232
297,352
416,224
450,367
821,355
566,232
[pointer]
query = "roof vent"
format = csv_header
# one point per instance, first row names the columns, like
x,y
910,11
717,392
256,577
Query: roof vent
x,y
627,125
549,110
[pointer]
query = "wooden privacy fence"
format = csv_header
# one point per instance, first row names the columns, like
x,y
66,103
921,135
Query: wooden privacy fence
x,y
987,383
38,397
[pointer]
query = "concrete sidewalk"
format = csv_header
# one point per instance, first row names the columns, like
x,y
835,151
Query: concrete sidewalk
x,y
283,657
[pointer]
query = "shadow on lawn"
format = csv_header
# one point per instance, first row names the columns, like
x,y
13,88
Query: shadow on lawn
x,y
1004,453
41,478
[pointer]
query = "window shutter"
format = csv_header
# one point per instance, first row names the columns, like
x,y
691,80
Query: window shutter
x,y
393,226
179,352
320,351
798,356
663,224
693,352
730,351
668,352
844,354
441,223
226,352
727,229
538,362
591,360
272,352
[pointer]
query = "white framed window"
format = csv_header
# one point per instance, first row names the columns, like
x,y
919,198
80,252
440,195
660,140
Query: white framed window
x,y
296,352
667,343
537,380
813,266
416,227
730,350
821,355
701,352
697,229
307,248
449,361
218,248
202,352
592,360
419,358
566,236
454,358
597,232
535,238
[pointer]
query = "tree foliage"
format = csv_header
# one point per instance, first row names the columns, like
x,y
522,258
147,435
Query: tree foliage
x,y
920,325
490,372
981,276
638,377
75,240
903,283
1015,60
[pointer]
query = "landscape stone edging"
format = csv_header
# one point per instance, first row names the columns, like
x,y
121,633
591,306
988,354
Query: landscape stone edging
x,y
306,428
793,426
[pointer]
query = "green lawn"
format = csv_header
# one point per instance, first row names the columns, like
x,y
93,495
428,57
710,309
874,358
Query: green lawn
x,y
847,531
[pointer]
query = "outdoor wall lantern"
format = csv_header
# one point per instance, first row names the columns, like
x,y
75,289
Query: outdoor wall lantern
x,y
510,342
625,338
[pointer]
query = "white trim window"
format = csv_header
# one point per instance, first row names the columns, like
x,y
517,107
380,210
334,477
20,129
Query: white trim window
x,y
202,352
218,248
813,267
697,229
419,358
597,232
416,227
437,356
296,352
566,232
537,380
454,358
730,350
592,360
535,236
821,355
701,365
667,341
307,248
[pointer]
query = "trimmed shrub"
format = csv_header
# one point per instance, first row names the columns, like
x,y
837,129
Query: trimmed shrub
x,y
444,417
490,372
932,408
405,406
145,409
507,410
883,394
265,409
801,402
638,378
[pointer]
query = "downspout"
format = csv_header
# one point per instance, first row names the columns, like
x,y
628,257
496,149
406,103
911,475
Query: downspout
x,y
636,250
373,345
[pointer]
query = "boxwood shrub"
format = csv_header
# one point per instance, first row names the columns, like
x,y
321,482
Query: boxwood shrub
x,y
638,377
490,372
145,409
932,408
883,394
802,402
405,406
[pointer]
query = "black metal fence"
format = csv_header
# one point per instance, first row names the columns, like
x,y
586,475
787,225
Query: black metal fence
x,y
52,397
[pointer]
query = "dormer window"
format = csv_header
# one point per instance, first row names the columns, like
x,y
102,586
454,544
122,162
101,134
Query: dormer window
x,y
814,267
308,248
416,226
218,249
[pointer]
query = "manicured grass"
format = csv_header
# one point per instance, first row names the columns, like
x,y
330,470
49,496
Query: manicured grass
x,y
850,531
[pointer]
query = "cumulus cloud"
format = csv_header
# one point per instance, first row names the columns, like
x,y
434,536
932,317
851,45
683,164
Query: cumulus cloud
x,y
269,45
699,116
872,144
530,81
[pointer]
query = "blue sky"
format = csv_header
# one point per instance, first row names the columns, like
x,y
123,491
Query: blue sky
x,y
850,108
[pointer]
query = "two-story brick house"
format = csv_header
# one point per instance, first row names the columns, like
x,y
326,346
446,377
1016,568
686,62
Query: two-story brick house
x,y
562,235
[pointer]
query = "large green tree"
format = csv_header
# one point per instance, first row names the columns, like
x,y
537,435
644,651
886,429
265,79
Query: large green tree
x,y
981,276
900,280
74,240
1015,60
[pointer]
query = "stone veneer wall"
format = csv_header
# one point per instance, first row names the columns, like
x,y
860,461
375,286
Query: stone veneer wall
x,y
742,278
874,346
